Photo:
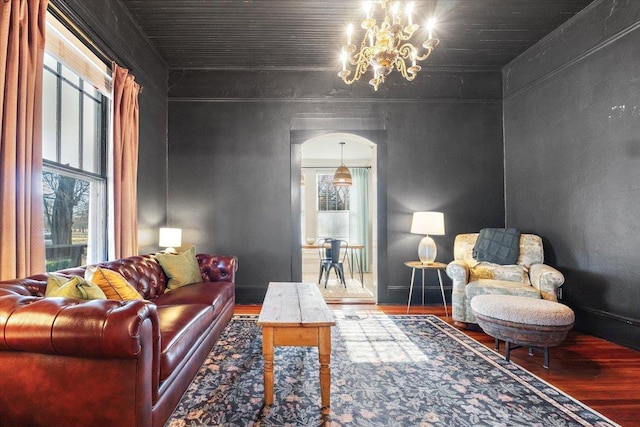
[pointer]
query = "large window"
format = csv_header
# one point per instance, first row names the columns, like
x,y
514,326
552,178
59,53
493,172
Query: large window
x,y
333,208
75,116
331,198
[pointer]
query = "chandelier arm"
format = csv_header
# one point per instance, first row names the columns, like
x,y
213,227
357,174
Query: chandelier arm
x,y
364,53
406,50
402,67
362,63
402,37
425,56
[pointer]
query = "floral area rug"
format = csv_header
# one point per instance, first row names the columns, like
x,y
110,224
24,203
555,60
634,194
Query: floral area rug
x,y
385,371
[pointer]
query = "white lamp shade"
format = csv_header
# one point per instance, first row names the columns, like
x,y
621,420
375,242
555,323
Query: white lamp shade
x,y
170,237
428,223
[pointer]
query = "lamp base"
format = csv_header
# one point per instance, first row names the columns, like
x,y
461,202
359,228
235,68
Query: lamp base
x,y
427,250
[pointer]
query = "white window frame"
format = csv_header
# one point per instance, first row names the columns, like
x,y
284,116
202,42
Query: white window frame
x,y
70,50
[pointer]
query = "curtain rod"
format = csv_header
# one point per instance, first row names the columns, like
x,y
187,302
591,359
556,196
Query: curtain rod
x,y
71,26
61,11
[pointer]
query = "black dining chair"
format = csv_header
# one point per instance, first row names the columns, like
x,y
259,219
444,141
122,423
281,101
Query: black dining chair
x,y
324,252
330,251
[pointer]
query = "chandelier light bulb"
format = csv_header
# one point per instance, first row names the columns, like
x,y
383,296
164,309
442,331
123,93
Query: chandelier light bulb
x,y
431,23
367,9
409,12
394,10
392,43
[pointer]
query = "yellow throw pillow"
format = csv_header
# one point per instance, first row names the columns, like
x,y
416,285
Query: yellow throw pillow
x,y
74,287
112,284
181,269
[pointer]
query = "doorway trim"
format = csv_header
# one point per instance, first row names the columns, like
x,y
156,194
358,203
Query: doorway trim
x,y
377,137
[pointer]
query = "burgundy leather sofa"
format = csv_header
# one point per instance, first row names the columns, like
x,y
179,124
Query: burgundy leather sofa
x,y
68,362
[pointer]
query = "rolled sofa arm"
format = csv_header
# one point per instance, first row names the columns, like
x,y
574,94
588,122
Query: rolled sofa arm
x,y
546,279
458,271
218,268
65,326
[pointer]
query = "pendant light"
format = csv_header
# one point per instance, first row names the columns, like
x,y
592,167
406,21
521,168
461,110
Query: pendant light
x,y
342,177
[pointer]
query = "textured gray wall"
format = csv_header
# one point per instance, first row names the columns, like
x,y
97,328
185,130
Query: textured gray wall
x,y
572,144
230,162
109,26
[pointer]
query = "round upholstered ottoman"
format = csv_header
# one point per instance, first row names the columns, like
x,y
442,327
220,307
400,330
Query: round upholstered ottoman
x,y
523,321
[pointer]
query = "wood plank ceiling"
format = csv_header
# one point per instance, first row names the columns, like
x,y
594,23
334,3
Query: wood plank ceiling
x,y
308,34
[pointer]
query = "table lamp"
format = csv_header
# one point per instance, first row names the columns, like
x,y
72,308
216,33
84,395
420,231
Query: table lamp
x,y
170,238
427,223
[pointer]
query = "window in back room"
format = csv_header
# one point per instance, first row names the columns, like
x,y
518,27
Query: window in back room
x,y
333,208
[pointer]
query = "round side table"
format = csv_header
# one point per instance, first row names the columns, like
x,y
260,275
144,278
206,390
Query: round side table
x,y
417,265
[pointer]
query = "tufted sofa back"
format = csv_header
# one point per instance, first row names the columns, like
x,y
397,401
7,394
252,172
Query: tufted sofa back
x,y
143,272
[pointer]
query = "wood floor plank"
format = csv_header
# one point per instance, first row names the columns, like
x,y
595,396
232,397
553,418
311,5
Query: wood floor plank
x,y
598,373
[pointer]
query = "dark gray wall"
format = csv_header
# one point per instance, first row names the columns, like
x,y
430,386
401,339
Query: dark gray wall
x,y
572,150
230,157
109,25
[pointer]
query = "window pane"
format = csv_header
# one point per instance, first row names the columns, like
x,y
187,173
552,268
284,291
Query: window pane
x,y
70,126
49,106
333,224
71,76
66,202
91,135
331,198
50,61
91,91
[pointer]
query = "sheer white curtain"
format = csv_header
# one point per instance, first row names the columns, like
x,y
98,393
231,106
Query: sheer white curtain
x,y
359,224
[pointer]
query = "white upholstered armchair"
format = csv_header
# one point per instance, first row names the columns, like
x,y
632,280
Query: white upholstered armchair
x,y
528,277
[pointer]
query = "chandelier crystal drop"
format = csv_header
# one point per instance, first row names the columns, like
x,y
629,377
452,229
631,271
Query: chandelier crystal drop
x,y
386,44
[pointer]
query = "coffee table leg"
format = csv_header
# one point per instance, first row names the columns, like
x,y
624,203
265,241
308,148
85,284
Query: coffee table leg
x,y
267,352
324,353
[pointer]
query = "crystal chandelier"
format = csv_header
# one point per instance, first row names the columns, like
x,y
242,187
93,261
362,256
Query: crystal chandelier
x,y
385,44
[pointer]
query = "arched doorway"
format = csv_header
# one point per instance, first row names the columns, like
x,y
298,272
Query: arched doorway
x,y
345,213
372,133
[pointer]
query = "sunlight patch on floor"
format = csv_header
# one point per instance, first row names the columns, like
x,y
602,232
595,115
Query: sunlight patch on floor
x,y
377,339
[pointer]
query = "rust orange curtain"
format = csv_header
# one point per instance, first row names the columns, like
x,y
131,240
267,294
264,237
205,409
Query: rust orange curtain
x,y
22,36
125,163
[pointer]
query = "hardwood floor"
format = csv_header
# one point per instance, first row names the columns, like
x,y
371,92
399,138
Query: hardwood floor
x,y
598,373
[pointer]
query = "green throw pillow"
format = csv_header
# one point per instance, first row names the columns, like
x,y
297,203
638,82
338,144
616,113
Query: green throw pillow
x,y
181,269
74,287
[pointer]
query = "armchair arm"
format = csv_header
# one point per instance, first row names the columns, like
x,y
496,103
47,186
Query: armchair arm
x,y
218,268
458,271
65,326
546,279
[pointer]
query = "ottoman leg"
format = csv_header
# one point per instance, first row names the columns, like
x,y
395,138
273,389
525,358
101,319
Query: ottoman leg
x,y
507,350
497,344
546,358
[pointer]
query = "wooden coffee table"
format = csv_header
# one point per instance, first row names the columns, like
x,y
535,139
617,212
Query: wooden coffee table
x,y
295,314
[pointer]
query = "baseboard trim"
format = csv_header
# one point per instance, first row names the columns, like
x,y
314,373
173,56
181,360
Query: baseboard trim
x,y
609,326
606,314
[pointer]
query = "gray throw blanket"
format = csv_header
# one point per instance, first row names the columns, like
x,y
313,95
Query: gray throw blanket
x,y
497,245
